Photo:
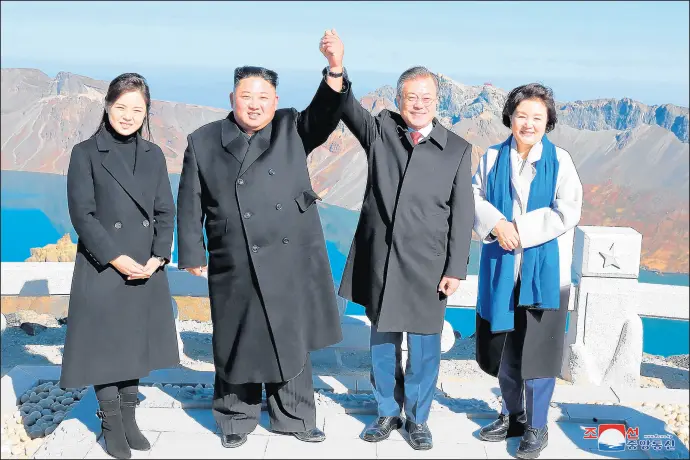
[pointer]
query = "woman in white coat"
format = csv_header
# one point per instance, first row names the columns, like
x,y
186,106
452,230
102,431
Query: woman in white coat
x,y
528,199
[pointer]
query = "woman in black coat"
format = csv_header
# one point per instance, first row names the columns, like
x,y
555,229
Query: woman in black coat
x,y
121,323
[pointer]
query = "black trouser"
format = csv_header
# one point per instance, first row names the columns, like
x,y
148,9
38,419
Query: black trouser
x,y
291,406
109,391
533,395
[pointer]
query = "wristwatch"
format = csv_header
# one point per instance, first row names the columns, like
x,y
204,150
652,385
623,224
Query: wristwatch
x,y
160,259
327,71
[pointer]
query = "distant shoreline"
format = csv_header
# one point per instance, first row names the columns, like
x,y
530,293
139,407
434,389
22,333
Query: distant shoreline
x,y
18,197
656,271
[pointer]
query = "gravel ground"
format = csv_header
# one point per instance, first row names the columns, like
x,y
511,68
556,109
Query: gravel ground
x,y
676,417
39,412
19,348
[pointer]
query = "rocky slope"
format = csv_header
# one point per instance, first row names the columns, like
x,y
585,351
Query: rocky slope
x,y
43,117
636,176
632,158
62,251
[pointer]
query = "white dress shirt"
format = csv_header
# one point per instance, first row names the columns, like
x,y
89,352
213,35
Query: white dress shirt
x,y
521,174
425,131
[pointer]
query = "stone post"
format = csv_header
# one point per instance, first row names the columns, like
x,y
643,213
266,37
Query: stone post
x,y
603,344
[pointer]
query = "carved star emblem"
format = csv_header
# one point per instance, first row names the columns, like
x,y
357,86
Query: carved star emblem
x,y
610,258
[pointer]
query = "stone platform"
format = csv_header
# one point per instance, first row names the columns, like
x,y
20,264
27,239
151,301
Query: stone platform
x,y
175,415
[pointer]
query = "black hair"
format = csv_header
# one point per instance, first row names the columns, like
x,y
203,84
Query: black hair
x,y
123,84
248,71
531,91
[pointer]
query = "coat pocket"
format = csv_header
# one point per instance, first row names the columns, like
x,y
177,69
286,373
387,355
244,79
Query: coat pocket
x,y
437,224
306,198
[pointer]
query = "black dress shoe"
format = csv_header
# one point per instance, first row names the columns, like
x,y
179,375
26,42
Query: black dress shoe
x,y
419,435
533,442
313,435
504,427
233,440
381,428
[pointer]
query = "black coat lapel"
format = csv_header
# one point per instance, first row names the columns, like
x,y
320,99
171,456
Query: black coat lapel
x,y
404,136
232,138
257,147
117,168
439,134
145,170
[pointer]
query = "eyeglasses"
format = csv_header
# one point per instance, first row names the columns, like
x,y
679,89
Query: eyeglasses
x,y
413,98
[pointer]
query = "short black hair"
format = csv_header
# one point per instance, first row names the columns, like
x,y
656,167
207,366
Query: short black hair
x,y
531,91
248,71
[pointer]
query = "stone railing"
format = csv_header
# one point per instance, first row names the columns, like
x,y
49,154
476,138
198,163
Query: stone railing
x,y
604,339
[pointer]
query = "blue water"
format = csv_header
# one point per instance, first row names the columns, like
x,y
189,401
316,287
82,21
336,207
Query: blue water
x,y
39,216
676,279
23,229
656,331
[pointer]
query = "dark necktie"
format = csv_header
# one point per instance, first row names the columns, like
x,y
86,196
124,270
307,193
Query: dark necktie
x,y
416,136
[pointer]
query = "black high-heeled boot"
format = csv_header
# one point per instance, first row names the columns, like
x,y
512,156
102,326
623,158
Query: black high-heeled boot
x,y
113,431
135,438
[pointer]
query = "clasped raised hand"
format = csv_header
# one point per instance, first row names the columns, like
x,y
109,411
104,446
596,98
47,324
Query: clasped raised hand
x,y
331,46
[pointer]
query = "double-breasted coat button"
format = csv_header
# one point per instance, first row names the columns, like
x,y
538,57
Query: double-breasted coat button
x,y
118,225
145,223
285,241
247,215
240,181
255,248
271,172
279,206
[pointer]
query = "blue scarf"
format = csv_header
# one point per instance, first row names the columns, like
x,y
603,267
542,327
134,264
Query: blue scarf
x,y
540,272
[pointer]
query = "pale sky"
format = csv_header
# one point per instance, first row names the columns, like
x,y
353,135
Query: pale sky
x,y
583,50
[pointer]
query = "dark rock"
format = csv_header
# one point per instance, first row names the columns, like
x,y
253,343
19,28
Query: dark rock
x,y
32,328
62,321
17,318
13,319
679,360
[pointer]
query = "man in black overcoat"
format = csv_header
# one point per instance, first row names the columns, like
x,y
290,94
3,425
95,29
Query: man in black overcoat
x,y
411,246
245,179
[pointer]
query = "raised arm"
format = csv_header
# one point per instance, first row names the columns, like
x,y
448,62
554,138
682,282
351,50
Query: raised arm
x,y
163,215
461,218
544,224
321,117
365,127
81,201
190,216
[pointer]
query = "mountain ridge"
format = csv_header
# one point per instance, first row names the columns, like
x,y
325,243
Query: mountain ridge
x,y
636,176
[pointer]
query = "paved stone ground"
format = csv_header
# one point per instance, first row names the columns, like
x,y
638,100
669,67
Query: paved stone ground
x,y
178,422
175,433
